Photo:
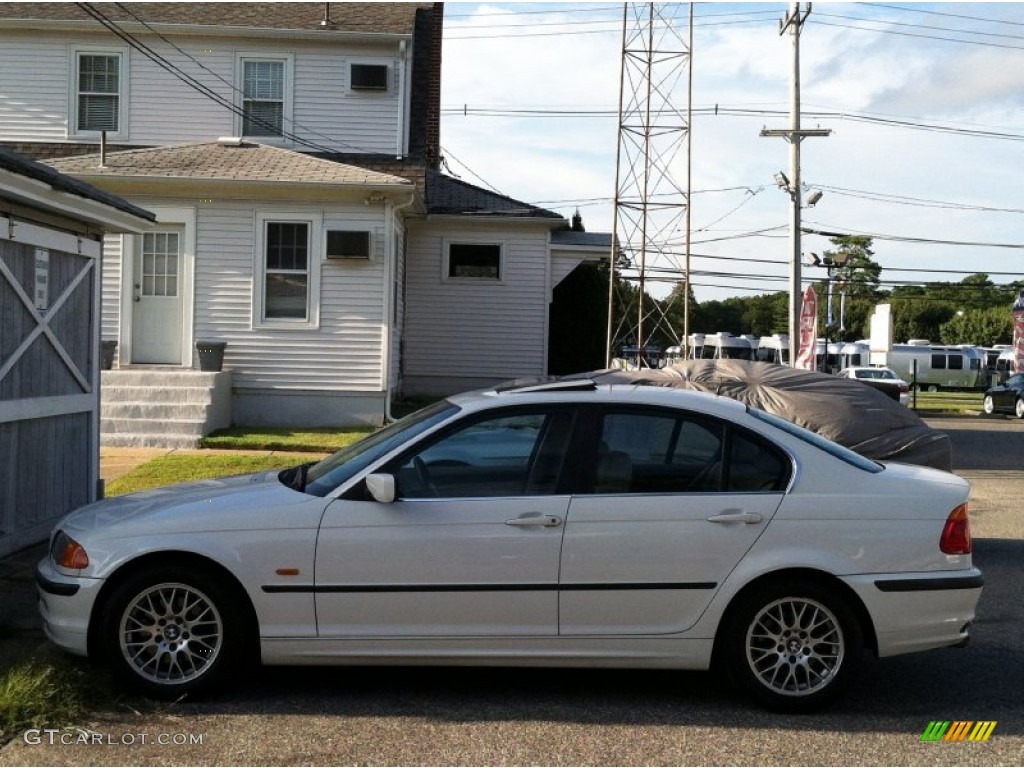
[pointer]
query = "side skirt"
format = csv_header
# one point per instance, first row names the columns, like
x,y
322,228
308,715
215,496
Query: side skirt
x,y
618,652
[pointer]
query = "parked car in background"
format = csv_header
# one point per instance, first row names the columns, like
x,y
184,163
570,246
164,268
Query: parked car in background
x,y
1007,397
884,379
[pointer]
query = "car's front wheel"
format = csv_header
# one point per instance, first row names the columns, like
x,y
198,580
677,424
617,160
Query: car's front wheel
x,y
1019,409
793,647
167,632
988,405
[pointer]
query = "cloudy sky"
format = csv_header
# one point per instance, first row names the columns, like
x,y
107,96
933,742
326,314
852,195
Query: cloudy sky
x,y
925,102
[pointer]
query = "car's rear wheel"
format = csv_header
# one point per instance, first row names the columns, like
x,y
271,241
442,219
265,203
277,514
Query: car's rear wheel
x,y
793,647
166,632
988,406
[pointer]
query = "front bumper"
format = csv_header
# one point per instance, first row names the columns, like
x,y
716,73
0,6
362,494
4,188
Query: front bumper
x,y
66,603
919,611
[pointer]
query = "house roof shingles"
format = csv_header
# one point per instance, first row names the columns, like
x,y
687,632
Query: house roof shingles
x,y
448,196
15,163
364,18
246,162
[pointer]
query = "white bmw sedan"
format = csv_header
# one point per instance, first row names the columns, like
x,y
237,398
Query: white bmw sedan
x,y
566,524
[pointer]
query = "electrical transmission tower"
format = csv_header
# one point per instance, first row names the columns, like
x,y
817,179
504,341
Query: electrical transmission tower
x,y
652,184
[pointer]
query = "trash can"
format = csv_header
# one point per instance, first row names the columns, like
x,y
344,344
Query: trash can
x,y
211,355
108,349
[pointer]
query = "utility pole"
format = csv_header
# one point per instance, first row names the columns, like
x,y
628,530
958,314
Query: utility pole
x,y
793,22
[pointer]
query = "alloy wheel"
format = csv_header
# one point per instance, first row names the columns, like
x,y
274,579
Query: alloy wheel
x,y
170,633
795,646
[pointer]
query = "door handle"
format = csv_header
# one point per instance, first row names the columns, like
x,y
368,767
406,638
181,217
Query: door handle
x,y
736,516
546,521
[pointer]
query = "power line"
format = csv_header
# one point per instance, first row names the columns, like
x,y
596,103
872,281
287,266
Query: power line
x,y
922,26
911,9
925,37
919,240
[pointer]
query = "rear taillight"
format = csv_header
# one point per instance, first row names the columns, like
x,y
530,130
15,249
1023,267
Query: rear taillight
x,y
956,535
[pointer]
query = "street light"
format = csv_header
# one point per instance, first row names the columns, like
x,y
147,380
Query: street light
x,y
832,264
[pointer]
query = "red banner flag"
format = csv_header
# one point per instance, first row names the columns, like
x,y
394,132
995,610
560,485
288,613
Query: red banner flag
x,y
808,331
1018,333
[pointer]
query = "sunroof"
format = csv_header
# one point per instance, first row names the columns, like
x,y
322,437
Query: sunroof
x,y
547,384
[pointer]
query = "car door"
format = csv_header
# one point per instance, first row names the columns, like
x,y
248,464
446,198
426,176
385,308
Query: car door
x,y
1005,397
672,504
470,546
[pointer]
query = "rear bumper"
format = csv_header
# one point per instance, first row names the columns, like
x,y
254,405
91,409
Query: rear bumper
x,y
919,611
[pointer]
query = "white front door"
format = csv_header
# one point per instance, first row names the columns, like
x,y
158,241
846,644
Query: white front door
x,y
157,294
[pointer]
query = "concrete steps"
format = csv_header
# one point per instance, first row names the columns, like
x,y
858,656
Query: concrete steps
x,y
162,408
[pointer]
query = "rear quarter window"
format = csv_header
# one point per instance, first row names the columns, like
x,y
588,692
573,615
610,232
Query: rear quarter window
x,y
822,443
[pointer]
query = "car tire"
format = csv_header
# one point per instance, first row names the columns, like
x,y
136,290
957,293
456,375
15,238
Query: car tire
x,y
792,646
168,632
1019,408
988,406
932,388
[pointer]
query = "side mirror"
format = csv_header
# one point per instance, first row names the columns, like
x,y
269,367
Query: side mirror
x,y
381,487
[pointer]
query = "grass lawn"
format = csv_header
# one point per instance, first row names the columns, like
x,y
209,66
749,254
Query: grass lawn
x,y
947,402
313,439
182,468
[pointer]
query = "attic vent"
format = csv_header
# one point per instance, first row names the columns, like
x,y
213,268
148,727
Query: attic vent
x,y
347,244
369,77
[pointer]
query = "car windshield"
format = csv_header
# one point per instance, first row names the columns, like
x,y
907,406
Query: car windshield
x,y
336,469
835,449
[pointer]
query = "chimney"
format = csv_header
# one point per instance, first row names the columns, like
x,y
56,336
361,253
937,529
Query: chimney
x,y
433,127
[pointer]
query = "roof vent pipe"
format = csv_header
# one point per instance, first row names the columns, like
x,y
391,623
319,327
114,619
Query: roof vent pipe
x,y
326,22
103,149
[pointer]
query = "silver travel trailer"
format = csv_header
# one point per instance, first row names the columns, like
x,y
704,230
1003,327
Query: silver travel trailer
x,y
854,354
938,367
720,346
773,349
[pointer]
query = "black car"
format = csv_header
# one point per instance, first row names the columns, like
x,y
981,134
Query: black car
x,y
1008,396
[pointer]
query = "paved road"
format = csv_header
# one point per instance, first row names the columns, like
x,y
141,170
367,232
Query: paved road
x,y
513,717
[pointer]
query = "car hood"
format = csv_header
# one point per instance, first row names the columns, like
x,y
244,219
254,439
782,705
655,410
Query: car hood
x,y
210,503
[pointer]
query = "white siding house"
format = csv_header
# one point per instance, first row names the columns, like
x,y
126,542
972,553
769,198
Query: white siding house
x,y
290,152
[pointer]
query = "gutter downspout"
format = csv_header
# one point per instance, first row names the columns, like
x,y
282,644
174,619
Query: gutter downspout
x,y
403,77
391,211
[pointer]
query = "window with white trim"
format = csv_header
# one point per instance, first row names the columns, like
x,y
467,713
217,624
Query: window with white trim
x,y
99,97
474,261
286,285
265,85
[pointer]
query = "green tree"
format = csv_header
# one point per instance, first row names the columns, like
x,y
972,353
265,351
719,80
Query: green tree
x,y
981,327
920,318
859,274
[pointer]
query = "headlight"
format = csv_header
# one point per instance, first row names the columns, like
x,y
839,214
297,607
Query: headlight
x,y
68,553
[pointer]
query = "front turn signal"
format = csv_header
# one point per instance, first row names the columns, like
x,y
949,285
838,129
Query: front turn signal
x,y
68,553
956,535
